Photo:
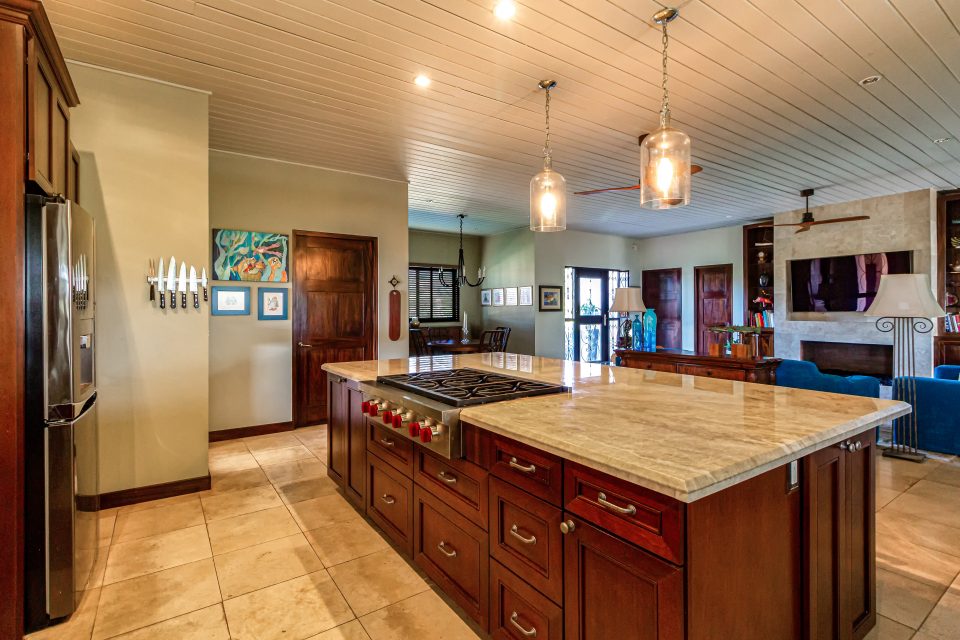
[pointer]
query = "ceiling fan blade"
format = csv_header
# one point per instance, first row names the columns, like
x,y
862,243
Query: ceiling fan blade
x,y
788,224
591,192
695,168
805,227
848,219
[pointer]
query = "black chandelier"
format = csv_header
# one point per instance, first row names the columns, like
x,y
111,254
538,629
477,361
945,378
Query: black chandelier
x,y
461,279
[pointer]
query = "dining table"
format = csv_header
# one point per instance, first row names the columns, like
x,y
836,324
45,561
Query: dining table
x,y
454,346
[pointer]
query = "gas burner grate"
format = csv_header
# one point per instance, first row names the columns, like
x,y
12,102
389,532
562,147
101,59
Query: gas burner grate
x,y
466,387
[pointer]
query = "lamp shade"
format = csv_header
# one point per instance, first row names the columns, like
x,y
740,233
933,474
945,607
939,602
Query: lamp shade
x,y
627,299
905,295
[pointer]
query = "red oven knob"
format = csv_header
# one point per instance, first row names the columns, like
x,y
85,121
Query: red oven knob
x,y
387,417
397,421
365,406
426,435
414,429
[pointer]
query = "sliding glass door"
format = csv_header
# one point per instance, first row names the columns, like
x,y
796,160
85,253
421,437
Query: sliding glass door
x,y
590,331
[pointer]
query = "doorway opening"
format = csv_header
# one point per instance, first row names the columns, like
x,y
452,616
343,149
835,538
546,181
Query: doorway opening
x,y
590,328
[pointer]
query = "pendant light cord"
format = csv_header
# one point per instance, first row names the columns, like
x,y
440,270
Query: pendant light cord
x,y
665,107
546,145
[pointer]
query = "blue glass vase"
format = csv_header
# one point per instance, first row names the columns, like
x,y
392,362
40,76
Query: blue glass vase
x,y
637,333
649,330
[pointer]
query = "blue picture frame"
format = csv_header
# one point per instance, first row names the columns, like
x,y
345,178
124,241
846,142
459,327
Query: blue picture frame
x,y
232,310
262,302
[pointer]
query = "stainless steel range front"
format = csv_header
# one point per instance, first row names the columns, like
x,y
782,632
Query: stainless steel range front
x,y
425,407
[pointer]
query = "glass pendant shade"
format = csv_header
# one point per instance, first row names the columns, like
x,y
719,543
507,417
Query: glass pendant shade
x,y
665,158
548,200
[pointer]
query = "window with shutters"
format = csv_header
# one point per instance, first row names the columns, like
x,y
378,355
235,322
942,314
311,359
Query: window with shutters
x,y
430,299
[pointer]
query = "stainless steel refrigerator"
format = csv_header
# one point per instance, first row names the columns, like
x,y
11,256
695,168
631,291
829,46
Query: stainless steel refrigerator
x,y
60,442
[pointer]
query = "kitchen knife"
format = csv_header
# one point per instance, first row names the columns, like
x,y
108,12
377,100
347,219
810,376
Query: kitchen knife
x,y
152,279
163,295
182,285
203,283
172,282
193,287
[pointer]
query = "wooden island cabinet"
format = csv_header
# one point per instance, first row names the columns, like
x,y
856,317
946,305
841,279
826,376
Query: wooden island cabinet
x,y
532,545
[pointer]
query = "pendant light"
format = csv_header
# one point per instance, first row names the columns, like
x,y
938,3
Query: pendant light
x,y
548,189
665,153
461,278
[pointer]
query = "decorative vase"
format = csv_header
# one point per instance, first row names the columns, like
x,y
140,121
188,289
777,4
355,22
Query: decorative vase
x,y
650,330
637,333
764,279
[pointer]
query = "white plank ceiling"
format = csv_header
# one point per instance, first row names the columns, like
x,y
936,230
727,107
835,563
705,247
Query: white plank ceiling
x,y
767,90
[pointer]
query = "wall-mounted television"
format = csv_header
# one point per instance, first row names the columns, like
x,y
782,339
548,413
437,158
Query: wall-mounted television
x,y
842,283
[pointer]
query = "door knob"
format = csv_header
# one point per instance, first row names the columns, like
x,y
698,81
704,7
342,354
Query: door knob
x,y
302,345
567,526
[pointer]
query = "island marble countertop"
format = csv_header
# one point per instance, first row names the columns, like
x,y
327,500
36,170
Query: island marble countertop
x,y
680,435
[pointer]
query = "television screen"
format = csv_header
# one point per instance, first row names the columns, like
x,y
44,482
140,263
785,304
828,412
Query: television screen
x,y
843,283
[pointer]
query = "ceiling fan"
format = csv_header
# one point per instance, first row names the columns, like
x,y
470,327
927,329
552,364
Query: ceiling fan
x,y
694,168
807,221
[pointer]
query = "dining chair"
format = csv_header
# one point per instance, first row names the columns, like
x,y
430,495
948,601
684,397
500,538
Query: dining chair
x,y
491,340
506,337
419,341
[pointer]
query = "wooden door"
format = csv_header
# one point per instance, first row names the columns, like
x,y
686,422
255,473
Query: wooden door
x,y
859,605
824,514
662,290
334,313
714,300
614,590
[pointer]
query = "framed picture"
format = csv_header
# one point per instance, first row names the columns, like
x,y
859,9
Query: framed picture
x,y
498,297
251,256
230,301
526,296
273,304
551,298
486,297
510,295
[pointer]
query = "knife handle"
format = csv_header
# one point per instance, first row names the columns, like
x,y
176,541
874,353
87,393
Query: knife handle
x,y
204,294
196,300
183,300
173,299
153,292
163,300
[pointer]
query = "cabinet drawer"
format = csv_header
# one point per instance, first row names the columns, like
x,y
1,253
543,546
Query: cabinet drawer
x,y
646,518
454,553
390,502
537,472
458,483
391,447
525,537
518,611
721,373
667,367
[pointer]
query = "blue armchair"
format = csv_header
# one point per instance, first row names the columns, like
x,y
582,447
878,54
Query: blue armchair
x,y
938,410
801,374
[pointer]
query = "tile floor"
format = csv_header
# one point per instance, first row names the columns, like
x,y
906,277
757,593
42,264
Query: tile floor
x,y
273,551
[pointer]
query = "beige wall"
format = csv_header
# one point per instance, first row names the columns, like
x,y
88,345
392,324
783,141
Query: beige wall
x,y
143,175
689,250
428,247
251,360
509,258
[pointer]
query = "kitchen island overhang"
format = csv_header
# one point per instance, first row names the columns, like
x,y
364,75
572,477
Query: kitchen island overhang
x,y
728,507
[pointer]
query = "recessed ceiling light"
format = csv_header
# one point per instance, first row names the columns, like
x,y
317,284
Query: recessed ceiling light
x,y
505,9
422,81
870,80
941,140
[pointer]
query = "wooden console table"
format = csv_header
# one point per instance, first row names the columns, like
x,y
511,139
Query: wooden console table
x,y
759,370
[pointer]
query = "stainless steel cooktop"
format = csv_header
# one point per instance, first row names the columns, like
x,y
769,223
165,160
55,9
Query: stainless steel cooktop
x,y
468,387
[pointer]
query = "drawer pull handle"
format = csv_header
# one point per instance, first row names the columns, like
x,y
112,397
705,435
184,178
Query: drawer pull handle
x,y
449,478
452,553
519,467
387,442
515,532
388,499
629,510
528,633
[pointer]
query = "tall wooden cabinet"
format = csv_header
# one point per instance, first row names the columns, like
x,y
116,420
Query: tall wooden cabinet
x,y
946,348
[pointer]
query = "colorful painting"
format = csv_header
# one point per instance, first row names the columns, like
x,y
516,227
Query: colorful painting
x,y
551,298
251,256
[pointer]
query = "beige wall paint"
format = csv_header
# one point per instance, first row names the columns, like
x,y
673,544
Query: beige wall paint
x,y
427,247
689,250
143,175
251,360
509,258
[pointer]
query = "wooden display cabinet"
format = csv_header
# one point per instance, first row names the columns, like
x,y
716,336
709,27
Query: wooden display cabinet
x,y
757,265
946,344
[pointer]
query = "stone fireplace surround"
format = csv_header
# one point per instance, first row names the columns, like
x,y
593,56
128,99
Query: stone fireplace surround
x,y
900,222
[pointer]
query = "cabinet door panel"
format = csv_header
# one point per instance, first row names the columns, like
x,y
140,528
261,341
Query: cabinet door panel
x,y
41,118
824,514
389,502
860,611
356,478
518,611
59,145
614,590
337,439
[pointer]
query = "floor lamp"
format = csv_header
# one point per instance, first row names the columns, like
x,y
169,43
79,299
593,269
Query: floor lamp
x,y
905,306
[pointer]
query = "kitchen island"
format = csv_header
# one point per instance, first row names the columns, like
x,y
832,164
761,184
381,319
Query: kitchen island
x,y
640,504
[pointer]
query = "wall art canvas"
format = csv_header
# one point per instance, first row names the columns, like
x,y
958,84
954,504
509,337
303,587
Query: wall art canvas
x,y
230,301
486,297
526,296
251,256
273,304
551,298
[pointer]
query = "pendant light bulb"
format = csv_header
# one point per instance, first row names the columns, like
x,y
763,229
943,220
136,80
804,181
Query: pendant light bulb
x,y
665,153
548,189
